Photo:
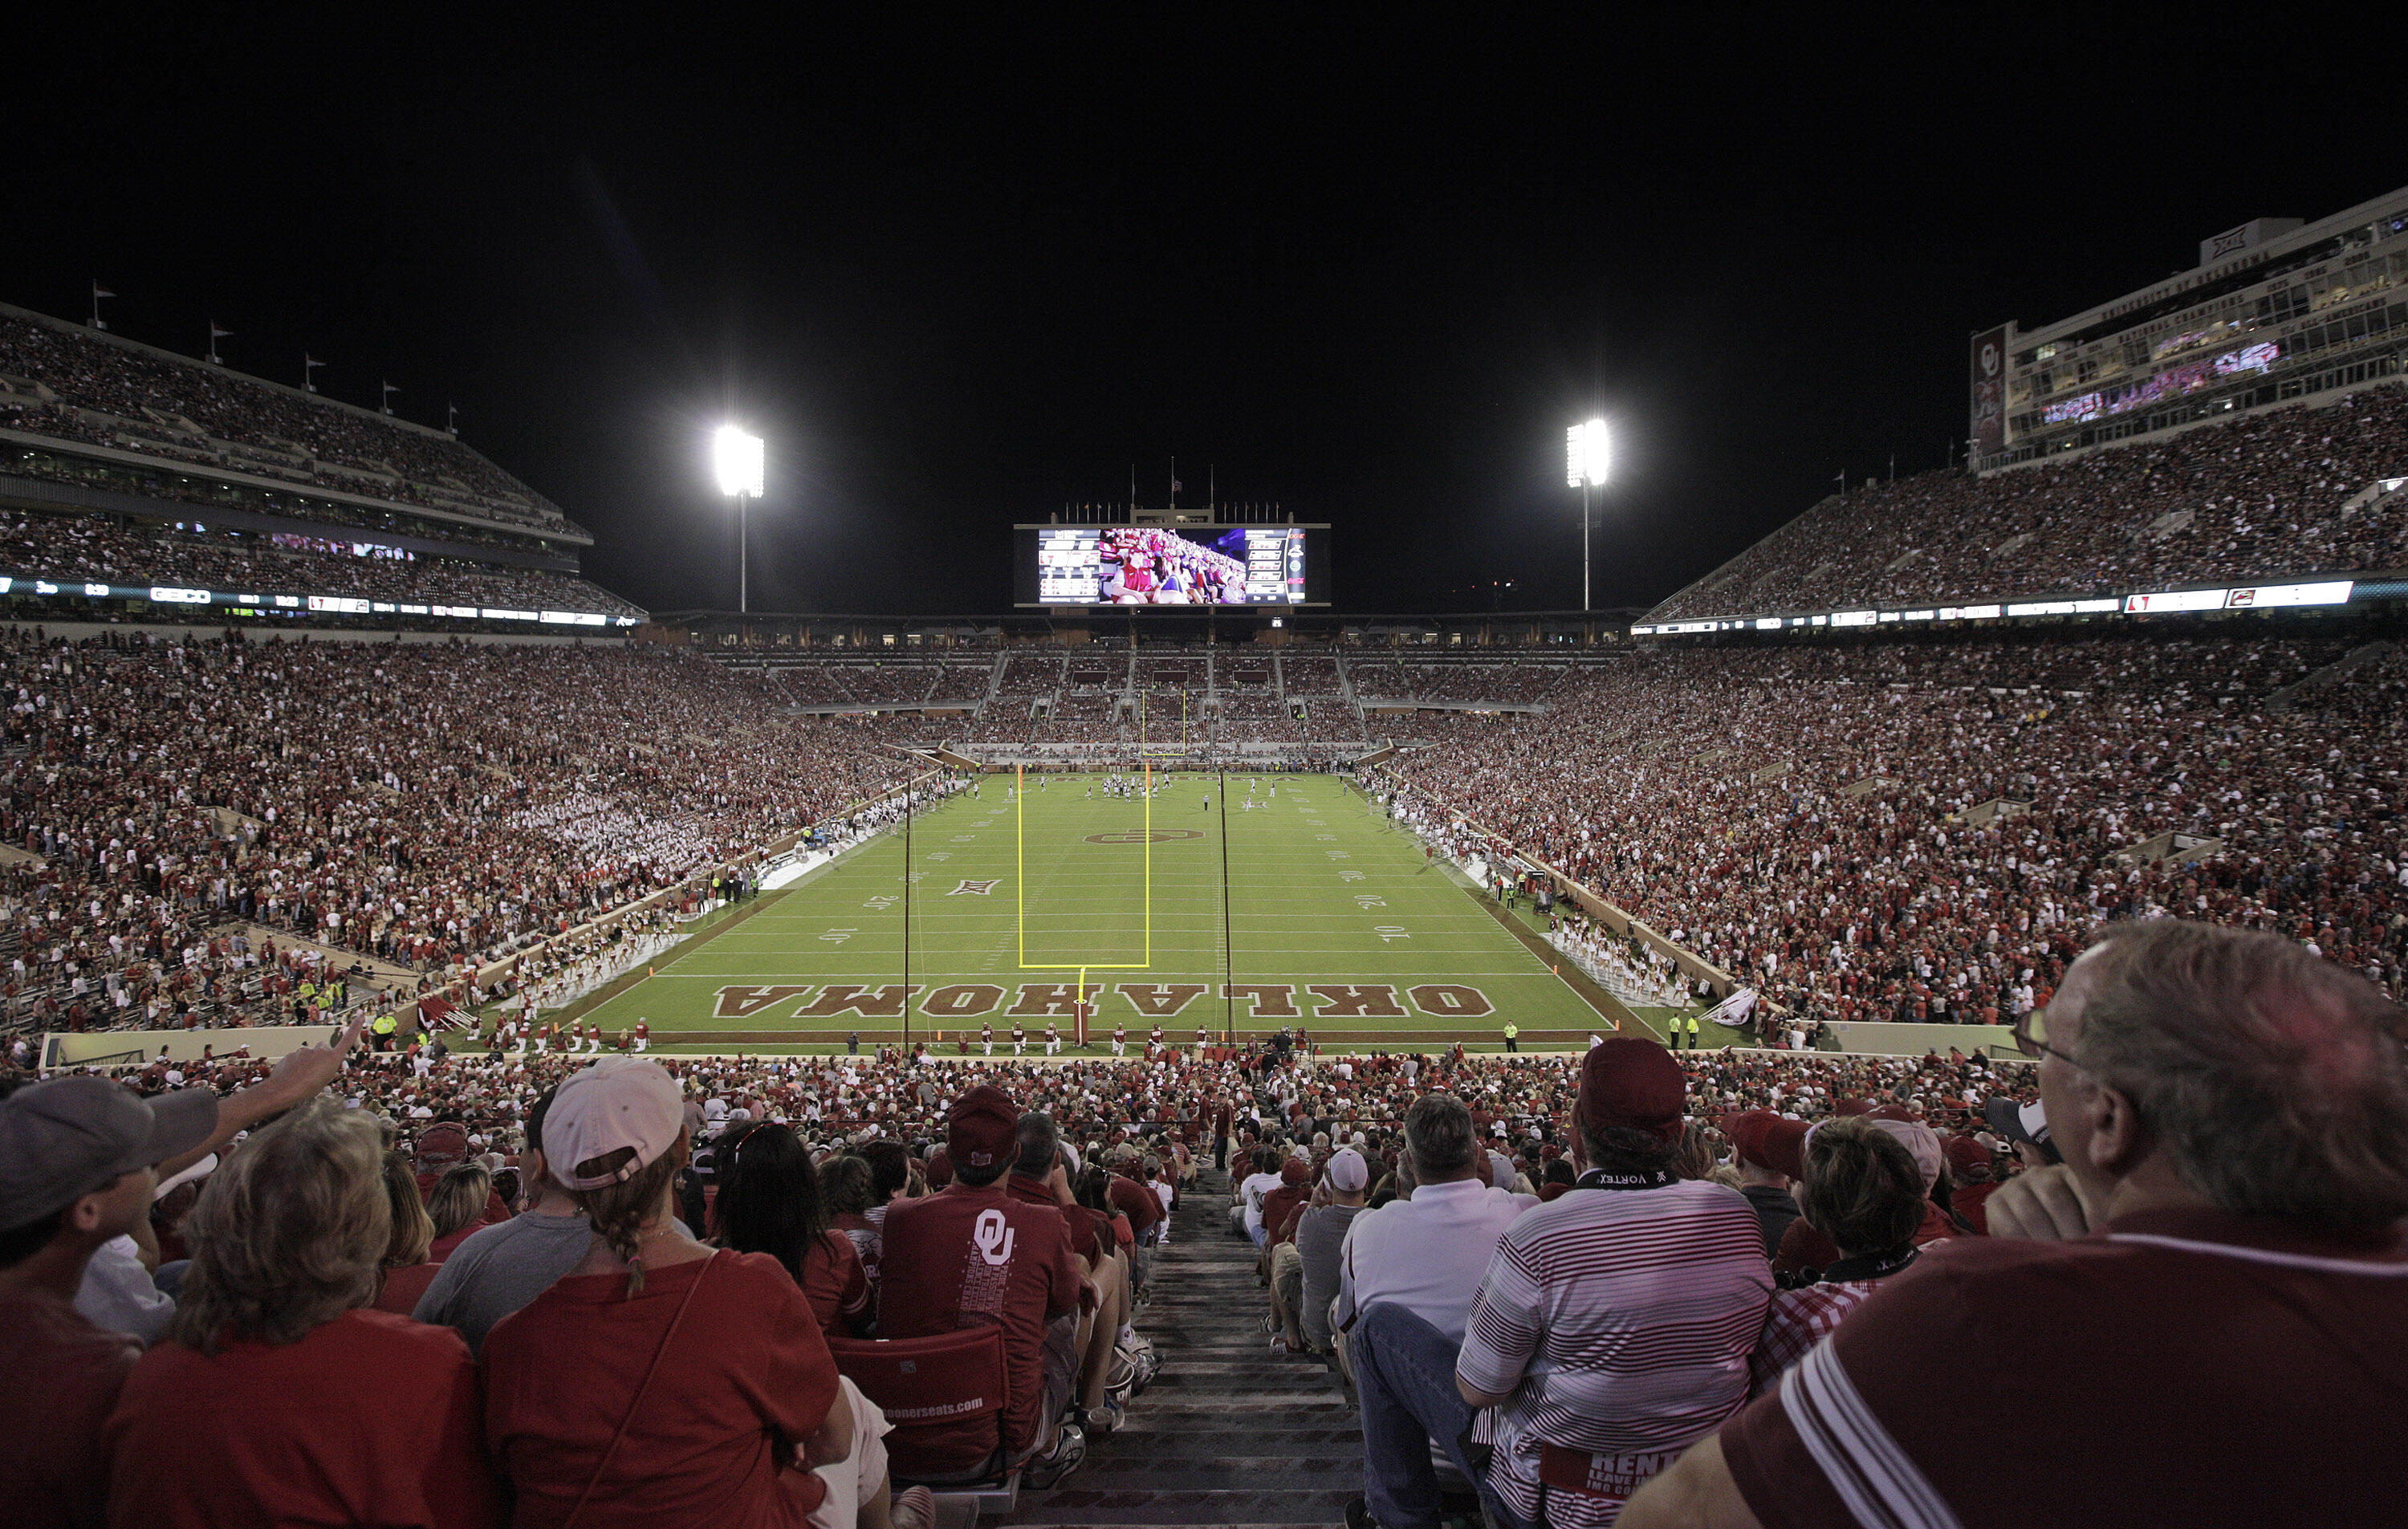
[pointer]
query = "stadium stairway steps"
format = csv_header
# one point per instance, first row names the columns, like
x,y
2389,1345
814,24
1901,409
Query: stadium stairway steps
x,y
2290,695
1229,1433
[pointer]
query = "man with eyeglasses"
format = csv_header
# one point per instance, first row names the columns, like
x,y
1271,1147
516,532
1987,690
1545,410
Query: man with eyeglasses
x,y
2220,1249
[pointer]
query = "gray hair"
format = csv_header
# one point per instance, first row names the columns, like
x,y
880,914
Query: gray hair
x,y
2275,1082
1437,1131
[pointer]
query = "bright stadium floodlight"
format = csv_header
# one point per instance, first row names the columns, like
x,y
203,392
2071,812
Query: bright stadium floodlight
x,y
741,461
1585,454
1585,451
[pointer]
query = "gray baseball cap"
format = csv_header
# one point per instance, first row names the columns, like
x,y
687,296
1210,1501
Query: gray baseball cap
x,y
62,1139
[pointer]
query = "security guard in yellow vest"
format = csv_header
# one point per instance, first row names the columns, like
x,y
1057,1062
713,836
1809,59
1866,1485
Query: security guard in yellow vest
x,y
1693,1032
1510,1032
384,1028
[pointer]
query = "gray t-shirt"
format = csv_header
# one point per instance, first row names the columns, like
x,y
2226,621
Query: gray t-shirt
x,y
1319,1238
500,1269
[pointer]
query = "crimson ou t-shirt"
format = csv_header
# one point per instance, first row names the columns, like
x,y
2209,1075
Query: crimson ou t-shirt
x,y
2156,1373
967,1257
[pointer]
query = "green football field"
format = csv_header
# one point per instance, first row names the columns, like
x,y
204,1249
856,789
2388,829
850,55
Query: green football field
x,y
1336,924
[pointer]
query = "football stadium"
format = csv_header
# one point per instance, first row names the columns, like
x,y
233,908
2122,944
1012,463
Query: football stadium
x,y
540,1012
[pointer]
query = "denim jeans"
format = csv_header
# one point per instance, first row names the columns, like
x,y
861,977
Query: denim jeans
x,y
1404,1372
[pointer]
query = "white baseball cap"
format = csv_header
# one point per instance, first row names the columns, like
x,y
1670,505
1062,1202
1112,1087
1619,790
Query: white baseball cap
x,y
618,1102
1348,1172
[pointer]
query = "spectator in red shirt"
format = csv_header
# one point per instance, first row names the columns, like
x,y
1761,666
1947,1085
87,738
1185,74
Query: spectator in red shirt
x,y
1135,1198
619,1397
256,1411
1043,1173
1973,1166
768,1202
2222,1240
77,1170
458,1206
406,1268
973,1253
441,1148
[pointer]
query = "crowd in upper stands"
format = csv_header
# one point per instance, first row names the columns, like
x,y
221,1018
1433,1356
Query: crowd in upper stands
x,y
2288,492
430,805
94,548
158,406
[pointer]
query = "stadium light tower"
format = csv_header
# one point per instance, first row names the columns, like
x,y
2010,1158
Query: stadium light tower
x,y
741,461
1584,463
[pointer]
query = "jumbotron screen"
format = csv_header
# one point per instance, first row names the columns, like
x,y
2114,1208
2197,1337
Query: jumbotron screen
x,y
1171,566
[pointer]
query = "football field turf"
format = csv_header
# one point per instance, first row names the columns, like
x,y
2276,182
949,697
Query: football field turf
x,y
1337,925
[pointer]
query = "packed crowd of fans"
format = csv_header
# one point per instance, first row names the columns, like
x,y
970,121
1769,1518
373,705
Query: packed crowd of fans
x,y
1931,831
112,394
1635,1286
2266,496
433,805
94,548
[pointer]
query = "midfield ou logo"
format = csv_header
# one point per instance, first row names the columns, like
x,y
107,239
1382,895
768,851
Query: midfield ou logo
x,y
992,1237
1991,360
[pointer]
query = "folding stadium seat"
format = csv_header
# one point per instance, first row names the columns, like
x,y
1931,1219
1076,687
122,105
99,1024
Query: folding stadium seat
x,y
946,1395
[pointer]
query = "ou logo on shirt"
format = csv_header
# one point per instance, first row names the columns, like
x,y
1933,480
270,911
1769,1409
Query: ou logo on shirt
x,y
992,1237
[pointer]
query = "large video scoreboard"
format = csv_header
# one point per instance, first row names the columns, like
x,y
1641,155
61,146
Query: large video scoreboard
x,y
1275,565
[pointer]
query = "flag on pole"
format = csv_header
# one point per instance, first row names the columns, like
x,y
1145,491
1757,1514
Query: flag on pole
x,y
99,290
216,334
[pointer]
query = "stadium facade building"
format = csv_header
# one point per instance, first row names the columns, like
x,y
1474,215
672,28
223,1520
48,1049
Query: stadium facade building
x,y
140,483
2275,310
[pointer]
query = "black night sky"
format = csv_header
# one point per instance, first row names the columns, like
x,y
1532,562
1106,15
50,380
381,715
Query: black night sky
x,y
959,274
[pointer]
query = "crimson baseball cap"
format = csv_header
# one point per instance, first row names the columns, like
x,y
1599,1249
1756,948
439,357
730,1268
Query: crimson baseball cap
x,y
1965,1153
437,1143
62,1139
1633,1081
1768,1141
618,1102
980,1128
1296,1170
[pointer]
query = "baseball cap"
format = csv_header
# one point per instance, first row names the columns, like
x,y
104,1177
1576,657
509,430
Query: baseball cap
x,y
2021,1123
1965,1153
1768,1140
618,1102
1348,1172
437,1143
62,1139
1296,1170
980,1126
1629,1080
1921,1142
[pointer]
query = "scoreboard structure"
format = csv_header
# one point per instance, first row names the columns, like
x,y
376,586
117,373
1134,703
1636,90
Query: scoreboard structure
x,y
1171,561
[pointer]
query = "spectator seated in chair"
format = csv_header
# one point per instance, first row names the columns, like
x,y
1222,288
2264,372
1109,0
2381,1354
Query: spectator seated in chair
x,y
2223,1239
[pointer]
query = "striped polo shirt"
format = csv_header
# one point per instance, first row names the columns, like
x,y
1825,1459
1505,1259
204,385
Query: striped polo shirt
x,y
1620,1320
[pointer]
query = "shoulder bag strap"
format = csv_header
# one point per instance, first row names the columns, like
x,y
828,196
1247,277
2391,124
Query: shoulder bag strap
x,y
650,1370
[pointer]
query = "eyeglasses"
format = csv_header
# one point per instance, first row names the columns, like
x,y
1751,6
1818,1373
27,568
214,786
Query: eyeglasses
x,y
2031,1038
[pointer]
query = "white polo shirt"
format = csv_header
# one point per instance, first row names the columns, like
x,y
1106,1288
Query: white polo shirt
x,y
1427,1253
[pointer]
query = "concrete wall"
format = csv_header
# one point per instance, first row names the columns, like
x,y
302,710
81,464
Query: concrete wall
x,y
63,1049
1887,1040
